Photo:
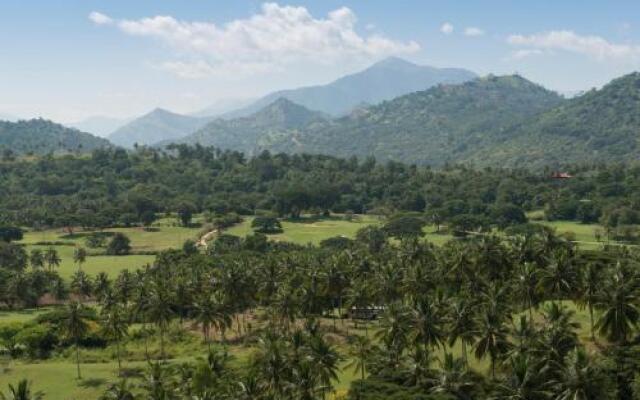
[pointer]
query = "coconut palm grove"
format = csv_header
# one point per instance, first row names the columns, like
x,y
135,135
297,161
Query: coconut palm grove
x,y
329,211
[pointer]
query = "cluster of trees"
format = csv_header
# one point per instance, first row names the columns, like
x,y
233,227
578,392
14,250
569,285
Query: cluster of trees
x,y
479,293
130,188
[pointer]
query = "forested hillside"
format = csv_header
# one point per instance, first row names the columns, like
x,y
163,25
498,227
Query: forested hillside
x,y
38,136
599,126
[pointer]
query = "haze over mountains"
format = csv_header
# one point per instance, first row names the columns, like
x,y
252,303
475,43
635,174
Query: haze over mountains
x,y
99,125
383,80
156,126
494,120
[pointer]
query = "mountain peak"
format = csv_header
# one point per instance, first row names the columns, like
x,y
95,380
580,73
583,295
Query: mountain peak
x,y
394,62
285,113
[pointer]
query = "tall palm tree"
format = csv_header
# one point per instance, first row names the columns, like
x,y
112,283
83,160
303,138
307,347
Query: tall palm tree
x,y
524,381
361,350
526,284
160,312
81,285
115,326
493,339
324,359
619,305
395,330
52,258
79,256
36,259
453,378
75,328
22,391
590,290
462,326
427,324
559,279
580,379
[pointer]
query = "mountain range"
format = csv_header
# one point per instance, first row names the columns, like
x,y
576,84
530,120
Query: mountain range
x,y
39,136
383,80
156,126
496,120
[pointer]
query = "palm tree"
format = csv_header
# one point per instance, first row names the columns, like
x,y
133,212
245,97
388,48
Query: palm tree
x,y
22,391
160,312
427,324
493,339
75,328
52,258
36,259
462,326
580,379
590,289
210,312
79,256
559,279
119,391
324,360
115,326
524,381
361,350
81,284
453,378
620,313
395,329
526,283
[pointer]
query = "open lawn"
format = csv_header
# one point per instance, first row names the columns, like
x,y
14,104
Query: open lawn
x,y
163,235
307,230
314,231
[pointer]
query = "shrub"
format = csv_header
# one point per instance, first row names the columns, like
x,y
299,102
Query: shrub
x,y
119,245
266,225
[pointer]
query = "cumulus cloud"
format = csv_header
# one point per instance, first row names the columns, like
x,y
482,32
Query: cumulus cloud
x,y
473,31
569,41
100,19
277,36
446,28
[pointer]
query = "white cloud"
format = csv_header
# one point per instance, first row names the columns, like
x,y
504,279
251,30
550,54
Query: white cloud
x,y
525,53
592,46
473,31
277,36
446,28
100,19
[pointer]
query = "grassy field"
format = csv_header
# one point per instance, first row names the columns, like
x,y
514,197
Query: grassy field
x,y
163,235
305,231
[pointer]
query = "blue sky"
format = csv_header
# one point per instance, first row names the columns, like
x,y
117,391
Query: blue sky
x,y
69,59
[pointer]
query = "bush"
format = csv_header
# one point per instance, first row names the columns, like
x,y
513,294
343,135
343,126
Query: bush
x,y
38,340
119,245
266,225
337,243
407,226
9,233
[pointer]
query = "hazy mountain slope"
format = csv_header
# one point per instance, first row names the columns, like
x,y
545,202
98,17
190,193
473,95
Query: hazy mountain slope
x,y
601,125
40,136
282,117
222,107
99,125
156,126
444,123
384,80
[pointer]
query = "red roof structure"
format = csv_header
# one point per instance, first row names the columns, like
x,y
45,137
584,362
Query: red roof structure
x,y
561,175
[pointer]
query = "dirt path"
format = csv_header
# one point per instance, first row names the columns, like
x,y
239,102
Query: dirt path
x,y
204,239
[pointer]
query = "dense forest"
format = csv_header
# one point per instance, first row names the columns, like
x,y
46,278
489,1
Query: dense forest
x,y
117,188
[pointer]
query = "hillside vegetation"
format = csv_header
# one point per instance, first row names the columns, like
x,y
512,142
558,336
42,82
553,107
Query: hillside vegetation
x,y
39,136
